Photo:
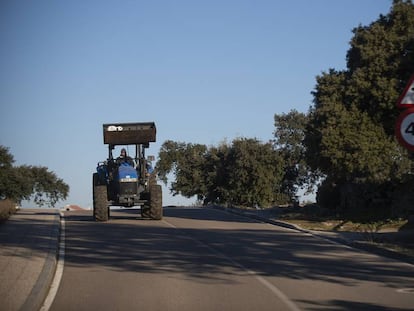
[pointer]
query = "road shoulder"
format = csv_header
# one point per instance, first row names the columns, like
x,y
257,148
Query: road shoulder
x,y
29,243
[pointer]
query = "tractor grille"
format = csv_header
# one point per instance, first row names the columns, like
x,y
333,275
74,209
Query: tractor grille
x,y
128,188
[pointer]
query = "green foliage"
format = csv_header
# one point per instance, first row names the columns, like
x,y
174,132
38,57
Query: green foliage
x,y
350,132
328,195
247,172
352,147
216,174
186,162
6,159
29,182
255,172
289,136
380,62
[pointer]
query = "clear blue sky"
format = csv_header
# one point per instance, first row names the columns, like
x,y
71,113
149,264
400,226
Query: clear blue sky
x,y
204,71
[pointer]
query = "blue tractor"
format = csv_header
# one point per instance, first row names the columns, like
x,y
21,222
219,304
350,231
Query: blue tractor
x,y
126,181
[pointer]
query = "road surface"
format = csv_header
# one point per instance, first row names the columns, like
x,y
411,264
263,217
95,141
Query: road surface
x,y
206,259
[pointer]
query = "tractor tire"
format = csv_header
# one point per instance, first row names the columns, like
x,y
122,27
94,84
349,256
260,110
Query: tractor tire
x,y
155,202
100,200
145,211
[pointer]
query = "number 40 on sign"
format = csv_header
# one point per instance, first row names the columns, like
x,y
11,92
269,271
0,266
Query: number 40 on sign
x,y
405,129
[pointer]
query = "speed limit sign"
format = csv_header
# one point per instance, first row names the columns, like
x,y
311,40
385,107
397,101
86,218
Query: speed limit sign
x,y
404,129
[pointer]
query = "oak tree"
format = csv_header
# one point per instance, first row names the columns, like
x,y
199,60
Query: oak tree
x,y
26,182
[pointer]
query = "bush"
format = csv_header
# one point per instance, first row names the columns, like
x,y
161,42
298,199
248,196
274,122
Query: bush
x,y
402,199
368,201
328,196
7,208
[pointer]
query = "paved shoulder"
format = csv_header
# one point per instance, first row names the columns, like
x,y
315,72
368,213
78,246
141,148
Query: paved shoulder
x,y
28,248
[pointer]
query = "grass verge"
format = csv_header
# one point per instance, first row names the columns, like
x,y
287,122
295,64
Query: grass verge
x,y
391,234
7,208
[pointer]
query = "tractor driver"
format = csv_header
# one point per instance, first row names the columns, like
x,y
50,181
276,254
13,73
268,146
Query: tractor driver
x,y
124,158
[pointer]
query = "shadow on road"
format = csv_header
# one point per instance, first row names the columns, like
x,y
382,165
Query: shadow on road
x,y
338,305
29,233
156,247
207,246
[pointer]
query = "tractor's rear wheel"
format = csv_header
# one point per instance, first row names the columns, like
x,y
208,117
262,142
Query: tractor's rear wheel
x,y
155,202
100,200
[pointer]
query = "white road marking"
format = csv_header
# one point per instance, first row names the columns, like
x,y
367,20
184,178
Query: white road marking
x,y
59,268
405,290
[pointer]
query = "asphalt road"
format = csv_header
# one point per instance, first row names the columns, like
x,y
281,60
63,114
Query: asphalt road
x,y
205,259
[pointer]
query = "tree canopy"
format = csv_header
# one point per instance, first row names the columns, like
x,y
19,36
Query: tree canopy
x,y
290,130
245,172
350,133
351,128
27,182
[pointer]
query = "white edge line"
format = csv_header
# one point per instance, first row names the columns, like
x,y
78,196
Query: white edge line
x,y
59,268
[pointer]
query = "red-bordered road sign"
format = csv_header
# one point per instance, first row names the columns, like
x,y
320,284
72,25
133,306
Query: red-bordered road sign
x,y
404,129
406,100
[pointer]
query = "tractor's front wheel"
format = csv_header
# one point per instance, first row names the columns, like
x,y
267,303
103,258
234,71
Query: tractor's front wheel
x,y
145,211
100,200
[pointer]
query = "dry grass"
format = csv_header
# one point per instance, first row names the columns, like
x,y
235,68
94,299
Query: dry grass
x,y
347,225
396,235
7,208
